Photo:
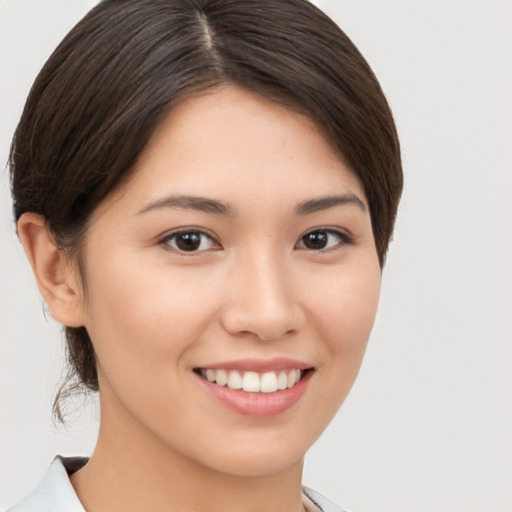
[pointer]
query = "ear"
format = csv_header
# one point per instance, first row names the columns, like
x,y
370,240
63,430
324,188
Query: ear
x,y
56,278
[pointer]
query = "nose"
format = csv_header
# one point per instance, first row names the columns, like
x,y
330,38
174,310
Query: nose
x,y
261,300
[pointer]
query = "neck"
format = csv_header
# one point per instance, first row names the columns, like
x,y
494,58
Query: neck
x,y
132,470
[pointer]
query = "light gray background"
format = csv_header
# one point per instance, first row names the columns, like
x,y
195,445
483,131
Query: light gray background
x,y
428,426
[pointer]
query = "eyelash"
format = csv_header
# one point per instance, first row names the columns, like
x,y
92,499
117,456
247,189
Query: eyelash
x,y
343,240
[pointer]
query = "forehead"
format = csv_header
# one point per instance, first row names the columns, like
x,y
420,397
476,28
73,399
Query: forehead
x,y
237,146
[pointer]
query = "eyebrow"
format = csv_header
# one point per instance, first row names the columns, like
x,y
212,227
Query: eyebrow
x,y
201,204
214,206
323,203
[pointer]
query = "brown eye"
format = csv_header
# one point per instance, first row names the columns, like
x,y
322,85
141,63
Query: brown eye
x,y
322,239
189,241
315,240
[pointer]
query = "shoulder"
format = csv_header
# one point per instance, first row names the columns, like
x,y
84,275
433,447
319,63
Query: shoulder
x,y
321,501
54,493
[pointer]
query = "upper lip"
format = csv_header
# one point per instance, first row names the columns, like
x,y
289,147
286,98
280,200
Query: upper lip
x,y
260,365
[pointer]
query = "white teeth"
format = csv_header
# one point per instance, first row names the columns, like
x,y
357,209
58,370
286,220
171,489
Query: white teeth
x,y
282,381
293,378
234,380
252,382
268,382
222,377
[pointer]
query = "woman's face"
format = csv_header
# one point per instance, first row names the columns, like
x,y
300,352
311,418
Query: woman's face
x,y
239,253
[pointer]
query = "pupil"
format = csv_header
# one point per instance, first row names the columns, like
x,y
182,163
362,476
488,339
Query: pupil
x,y
188,241
315,240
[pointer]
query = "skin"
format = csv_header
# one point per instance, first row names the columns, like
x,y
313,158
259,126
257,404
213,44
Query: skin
x,y
256,291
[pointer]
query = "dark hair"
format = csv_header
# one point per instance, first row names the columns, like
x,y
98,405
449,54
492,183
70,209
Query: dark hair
x,y
102,93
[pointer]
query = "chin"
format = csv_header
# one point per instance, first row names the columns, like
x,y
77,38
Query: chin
x,y
251,464
252,456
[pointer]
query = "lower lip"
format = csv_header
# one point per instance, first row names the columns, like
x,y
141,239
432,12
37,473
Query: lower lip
x,y
260,405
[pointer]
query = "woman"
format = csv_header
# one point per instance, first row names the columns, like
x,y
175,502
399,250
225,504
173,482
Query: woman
x,y
205,190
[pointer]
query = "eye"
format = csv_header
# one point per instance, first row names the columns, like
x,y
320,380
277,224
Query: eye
x,y
323,239
190,240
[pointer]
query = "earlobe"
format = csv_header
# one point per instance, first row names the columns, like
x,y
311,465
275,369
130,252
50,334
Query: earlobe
x,y
55,277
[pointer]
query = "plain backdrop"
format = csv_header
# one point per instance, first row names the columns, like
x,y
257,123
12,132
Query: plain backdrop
x,y
428,425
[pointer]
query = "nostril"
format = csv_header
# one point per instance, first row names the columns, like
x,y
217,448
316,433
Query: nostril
x,y
264,323
272,336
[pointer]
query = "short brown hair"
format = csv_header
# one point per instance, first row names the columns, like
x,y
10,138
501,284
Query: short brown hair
x,y
120,70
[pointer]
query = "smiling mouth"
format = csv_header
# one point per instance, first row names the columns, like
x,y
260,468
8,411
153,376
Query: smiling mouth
x,y
253,382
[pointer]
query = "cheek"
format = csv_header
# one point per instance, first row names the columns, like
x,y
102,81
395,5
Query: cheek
x,y
143,320
346,313
342,311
